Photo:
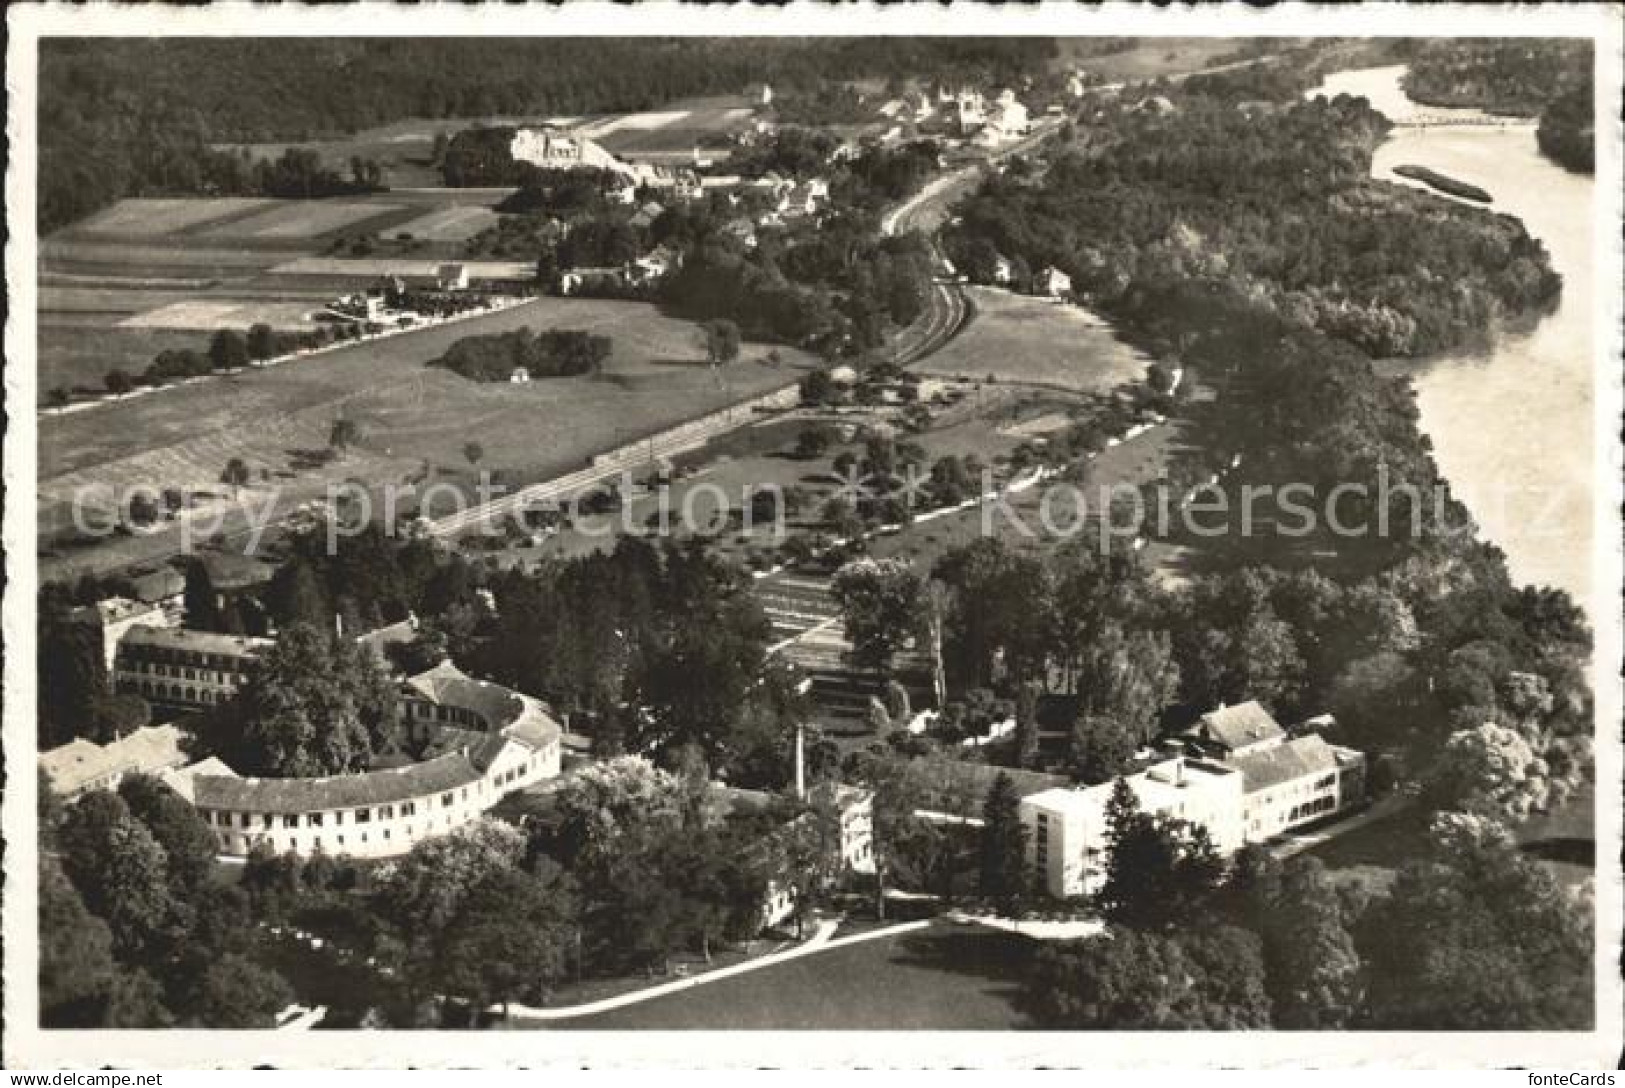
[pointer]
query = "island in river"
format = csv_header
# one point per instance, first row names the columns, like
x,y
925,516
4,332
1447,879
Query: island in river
x,y
1444,183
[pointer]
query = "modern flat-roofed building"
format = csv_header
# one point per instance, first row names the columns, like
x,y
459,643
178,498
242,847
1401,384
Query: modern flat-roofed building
x,y
1066,828
1244,780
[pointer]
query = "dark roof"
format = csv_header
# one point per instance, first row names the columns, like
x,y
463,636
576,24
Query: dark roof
x,y
295,795
180,638
959,787
157,585
1238,726
1279,763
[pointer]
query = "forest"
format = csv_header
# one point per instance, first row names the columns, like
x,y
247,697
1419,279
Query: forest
x,y
139,117
1551,80
1278,204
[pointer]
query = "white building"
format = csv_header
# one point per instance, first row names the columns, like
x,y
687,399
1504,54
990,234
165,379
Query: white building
x,y
80,766
1052,282
487,742
1250,782
1007,118
176,667
1066,828
114,617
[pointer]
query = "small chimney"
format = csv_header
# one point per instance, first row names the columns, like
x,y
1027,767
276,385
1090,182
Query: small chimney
x,y
801,764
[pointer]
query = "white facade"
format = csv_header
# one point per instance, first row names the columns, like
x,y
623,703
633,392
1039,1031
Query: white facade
x,y
491,742
1066,828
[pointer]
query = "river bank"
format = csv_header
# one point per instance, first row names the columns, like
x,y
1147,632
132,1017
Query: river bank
x,y
1492,412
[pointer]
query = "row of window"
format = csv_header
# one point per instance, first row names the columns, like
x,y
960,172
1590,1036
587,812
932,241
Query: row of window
x,y
185,672
357,815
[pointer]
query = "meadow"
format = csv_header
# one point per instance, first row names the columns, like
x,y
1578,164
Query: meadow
x,y
1033,341
410,414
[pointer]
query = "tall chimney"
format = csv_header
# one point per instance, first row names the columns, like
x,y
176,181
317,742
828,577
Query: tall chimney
x,y
338,624
801,763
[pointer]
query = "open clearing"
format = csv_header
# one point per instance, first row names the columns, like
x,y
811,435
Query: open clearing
x,y
305,219
944,977
211,314
455,224
1158,57
1015,338
72,356
409,413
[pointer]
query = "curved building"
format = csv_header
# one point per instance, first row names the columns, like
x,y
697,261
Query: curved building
x,y
482,741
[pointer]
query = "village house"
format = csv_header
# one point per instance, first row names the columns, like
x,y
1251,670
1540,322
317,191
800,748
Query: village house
x,y
1052,283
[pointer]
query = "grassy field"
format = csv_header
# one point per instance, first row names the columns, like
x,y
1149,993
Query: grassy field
x,y
70,356
1157,57
1015,338
945,977
408,413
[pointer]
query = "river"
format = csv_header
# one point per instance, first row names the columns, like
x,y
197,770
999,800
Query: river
x,y
1512,427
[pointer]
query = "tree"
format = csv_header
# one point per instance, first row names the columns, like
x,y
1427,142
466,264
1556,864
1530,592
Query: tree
x,y
474,452
1004,845
817,387
345,434
1100,748
879,600
1490,770
118,382
236,474
1128,980
606,799
1026,739
76,969
1161,872
1478,937
73,680
261,343
228,350
189,846
235,992
721,338
1129,677
813,442
511,939
296,596
200,598
311,706
119,869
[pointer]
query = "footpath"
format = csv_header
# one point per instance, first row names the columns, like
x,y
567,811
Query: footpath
x,y
821,941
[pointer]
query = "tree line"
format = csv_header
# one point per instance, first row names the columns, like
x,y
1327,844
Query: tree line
x,y
552,353
137,117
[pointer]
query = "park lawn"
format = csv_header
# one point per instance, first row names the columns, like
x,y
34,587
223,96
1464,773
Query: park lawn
x,y
407,410
1016,338
945,977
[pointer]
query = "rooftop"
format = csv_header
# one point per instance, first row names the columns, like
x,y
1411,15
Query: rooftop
x,y
147,750
180,638
113,610
288,796
1238,727
1293,759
